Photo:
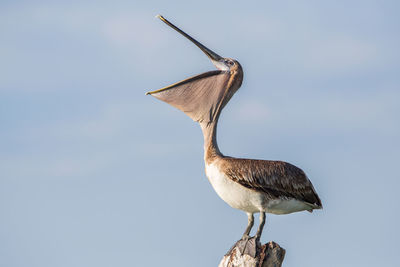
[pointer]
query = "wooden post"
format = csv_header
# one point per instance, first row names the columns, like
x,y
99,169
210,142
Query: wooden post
x,y
267,255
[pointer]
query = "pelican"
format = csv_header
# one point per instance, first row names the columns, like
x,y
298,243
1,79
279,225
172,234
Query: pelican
x,y
253,186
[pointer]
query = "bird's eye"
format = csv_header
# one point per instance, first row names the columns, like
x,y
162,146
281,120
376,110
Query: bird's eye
x,y
230,63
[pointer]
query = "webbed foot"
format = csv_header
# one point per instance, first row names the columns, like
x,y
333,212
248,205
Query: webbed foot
x,y
246,245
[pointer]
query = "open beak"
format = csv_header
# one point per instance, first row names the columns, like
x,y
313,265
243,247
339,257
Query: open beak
x,y
213,56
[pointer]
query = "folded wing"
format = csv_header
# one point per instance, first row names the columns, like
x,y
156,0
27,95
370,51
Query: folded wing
x,y
276,178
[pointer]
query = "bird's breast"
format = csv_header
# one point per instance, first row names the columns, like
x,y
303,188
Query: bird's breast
x,y
236,195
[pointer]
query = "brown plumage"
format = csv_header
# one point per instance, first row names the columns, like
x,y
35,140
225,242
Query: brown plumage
x,y
246,184
276,178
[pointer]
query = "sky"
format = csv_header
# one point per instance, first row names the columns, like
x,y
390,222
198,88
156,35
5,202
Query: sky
x,y
95,173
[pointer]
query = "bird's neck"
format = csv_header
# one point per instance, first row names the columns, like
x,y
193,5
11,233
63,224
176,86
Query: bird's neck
x,y
211,150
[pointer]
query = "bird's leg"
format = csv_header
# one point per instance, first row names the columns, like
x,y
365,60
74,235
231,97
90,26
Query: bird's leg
x,y
244,245
261,226
250,224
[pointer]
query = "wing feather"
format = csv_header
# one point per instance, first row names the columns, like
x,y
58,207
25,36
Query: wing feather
x,y
276,178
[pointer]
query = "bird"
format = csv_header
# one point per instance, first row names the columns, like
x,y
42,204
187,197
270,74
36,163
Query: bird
x,y
251,185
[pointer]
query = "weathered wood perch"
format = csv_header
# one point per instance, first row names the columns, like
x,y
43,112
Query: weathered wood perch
x,y
244,255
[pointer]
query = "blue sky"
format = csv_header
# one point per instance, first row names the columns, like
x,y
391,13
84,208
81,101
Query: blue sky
x,y
95,173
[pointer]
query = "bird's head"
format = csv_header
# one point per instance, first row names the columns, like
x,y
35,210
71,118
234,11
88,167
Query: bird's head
x,y
226,63
230,65
202,97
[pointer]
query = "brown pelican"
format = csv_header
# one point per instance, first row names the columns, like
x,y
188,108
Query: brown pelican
x,y
250,185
